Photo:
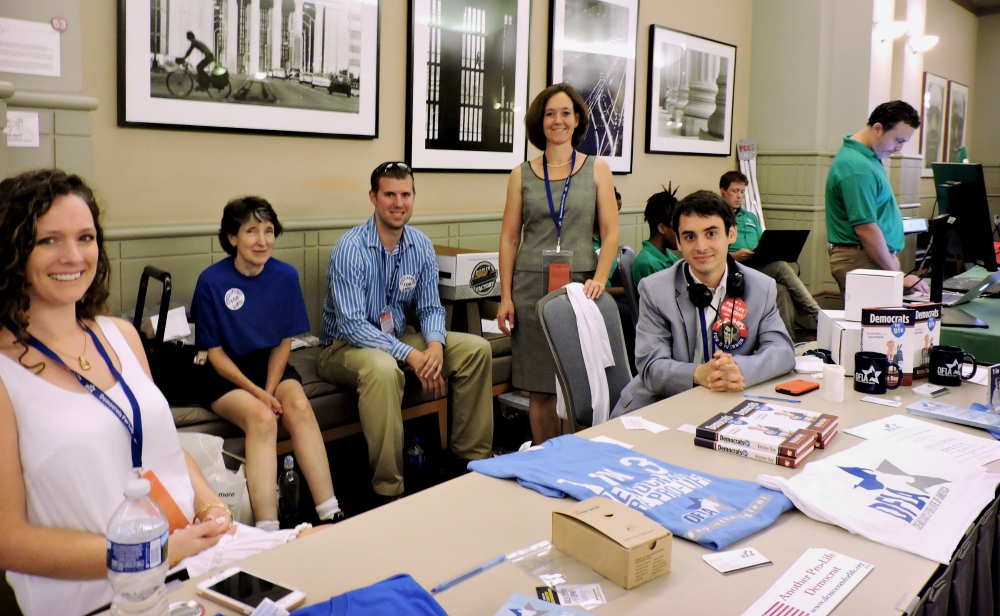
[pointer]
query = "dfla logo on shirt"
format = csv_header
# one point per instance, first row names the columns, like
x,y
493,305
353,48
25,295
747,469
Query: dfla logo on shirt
x,y
899,494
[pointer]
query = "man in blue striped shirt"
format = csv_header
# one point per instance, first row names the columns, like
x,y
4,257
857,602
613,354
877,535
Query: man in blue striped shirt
x,y
376,272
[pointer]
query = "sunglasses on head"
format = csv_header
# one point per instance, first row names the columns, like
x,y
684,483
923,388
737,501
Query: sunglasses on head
x,y
385,167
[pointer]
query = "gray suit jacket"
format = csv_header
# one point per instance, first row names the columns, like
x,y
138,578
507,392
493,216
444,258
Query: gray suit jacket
x,y
669,330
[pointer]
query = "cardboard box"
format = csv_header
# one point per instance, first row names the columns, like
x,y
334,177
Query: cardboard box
x,y
904,335
467,274
846,341
824,327
618,542
871,289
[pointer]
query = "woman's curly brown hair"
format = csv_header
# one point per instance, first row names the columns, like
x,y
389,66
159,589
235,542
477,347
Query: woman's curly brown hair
x,y
23,200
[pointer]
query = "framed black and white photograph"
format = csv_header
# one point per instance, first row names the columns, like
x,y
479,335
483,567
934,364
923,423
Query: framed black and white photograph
x,y
932,119
281,66
592,46
958,105
467,85
689,102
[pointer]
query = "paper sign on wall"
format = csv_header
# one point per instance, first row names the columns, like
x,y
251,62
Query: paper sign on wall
x,y
29,48
22,129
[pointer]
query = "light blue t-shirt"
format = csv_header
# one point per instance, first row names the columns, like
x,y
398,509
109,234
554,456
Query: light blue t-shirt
x,y
712,511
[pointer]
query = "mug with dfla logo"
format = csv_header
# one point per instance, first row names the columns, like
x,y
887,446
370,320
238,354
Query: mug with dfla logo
x,y
946,365
874,373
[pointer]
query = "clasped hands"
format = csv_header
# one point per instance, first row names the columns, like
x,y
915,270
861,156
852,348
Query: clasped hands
x,y
721,373
427,365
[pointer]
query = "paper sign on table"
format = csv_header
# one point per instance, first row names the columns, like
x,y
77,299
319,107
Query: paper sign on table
x,y
610,441
817,582
957,445
689,428
632,422
882,401
735,560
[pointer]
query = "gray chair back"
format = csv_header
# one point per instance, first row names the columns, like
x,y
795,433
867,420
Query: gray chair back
x,y
559,324
626,258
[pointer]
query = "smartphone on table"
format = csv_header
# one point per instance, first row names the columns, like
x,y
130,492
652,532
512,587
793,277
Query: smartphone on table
x,y
242,591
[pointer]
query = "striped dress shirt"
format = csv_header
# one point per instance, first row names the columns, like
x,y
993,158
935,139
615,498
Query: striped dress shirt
x,y
358,278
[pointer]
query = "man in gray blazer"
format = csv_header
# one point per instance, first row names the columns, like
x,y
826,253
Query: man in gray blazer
x,y
707,321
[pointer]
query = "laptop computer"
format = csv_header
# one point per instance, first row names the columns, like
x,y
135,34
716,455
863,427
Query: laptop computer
x,y
950,299
964,284
779,245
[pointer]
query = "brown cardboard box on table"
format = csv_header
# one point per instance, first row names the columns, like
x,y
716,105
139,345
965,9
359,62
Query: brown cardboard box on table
x,y
619,543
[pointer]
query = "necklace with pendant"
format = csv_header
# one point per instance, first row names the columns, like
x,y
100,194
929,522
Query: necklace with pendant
x,y
84,364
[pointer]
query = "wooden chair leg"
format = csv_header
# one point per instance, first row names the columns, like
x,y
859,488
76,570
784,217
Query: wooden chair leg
x,y
443,423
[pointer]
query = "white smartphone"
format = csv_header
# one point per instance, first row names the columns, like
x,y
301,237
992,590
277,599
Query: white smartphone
x,y
242,591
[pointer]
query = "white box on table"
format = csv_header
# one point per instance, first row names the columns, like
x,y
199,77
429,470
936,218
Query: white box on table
x,y
871,289
846,341
824,327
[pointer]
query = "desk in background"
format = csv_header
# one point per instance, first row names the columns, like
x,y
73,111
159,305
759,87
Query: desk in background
x,y
438,533
983,343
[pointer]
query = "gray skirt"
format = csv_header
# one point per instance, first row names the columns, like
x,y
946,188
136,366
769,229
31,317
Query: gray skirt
x,y
532,365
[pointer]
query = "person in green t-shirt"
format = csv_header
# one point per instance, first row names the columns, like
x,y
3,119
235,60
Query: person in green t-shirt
x,y
793,296
655,254
863,223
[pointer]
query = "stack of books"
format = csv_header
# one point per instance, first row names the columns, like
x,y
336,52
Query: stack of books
x,y
767,432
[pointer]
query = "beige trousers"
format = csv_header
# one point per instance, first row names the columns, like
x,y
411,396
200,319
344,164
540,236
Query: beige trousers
x,y
378,379
845,258
792,294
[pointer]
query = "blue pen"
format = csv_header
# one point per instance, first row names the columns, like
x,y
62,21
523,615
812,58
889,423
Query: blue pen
x,y
471,572
774,398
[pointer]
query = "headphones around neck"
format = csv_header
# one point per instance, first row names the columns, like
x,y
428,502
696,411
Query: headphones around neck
x,y
701,296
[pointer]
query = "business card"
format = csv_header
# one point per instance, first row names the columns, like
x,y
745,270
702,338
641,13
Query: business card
x,y
736,560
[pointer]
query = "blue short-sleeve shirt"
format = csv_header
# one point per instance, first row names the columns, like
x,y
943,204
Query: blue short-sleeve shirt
x,y
243,314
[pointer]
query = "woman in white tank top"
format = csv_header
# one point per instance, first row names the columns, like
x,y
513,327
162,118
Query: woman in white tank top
x,y
64,456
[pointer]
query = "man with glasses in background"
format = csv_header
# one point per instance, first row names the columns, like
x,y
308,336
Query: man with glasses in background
x,y
377,271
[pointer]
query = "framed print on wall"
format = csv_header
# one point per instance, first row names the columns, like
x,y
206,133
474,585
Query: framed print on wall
x,y
592,47
467,85
932,112
958,106
689,101
270,66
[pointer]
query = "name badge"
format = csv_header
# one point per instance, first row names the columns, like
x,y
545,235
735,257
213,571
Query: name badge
x,y
388,327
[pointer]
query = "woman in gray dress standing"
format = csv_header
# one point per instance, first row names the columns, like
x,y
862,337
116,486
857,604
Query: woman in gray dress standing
x,y
541,214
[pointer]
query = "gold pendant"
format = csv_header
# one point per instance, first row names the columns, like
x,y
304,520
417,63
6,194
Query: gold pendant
x,y
84,363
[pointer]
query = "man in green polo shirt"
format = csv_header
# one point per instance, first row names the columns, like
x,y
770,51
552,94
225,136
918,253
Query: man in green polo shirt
x,y
793,296
655,254
863,222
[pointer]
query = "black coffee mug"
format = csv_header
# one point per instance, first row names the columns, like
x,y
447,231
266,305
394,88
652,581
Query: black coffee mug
x,y
946,366
874,373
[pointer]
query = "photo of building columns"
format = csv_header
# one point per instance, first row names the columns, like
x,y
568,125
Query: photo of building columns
x,y
693,90
290,53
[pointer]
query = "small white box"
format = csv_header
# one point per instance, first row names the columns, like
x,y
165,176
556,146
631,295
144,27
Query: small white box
x,y
467,274
846,341
824,327
871,289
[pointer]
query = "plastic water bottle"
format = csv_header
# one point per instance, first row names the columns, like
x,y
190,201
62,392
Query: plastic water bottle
x,y
288,492
415,454
137,554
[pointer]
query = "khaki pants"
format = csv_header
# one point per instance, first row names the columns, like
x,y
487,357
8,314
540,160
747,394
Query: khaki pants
x,y
792,297
843,259
378,379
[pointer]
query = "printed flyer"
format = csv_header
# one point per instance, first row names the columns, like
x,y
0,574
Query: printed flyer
x,y
817,582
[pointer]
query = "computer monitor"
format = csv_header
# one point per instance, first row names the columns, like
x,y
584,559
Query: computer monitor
x,y
961,193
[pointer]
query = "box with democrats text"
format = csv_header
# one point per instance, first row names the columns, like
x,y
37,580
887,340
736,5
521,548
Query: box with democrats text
x,y
904,335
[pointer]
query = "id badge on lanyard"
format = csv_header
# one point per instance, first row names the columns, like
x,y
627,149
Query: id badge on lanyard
x,y
386,323
557,263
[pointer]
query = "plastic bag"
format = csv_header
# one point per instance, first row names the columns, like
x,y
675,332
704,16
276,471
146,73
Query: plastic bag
x,y
206,451
573,582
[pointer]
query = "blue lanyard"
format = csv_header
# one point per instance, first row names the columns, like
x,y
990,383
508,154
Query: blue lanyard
x,y
704,336
390,283
135,434
562,203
